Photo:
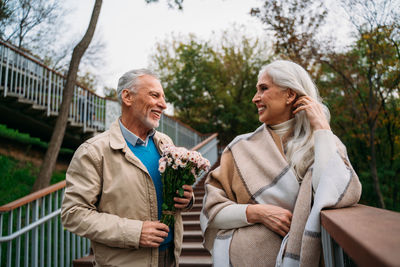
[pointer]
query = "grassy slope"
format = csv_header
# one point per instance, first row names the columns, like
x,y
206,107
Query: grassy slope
x,y
17,177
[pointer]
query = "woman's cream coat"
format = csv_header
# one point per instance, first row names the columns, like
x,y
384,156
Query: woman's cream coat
x,y
109,194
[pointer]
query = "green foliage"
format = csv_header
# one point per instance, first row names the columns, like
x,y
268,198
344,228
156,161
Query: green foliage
x,y
294,25
17,179
172,181
211,86
24,138
110,92
362,88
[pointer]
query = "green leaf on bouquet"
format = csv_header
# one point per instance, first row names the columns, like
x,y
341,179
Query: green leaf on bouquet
x,y
164,206
181,191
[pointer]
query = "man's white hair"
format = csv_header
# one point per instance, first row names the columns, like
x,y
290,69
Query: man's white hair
x,y
129,81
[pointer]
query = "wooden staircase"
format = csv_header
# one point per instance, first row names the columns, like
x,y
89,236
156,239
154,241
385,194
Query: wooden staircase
x,y
193,253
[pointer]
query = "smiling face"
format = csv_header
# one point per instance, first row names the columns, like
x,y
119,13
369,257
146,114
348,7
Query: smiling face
x,y
145,106
273,103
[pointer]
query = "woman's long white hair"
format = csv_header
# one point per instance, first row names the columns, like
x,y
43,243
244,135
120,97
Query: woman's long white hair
x,y
300,148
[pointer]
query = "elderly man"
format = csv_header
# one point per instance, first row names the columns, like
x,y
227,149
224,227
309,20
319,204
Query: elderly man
x,y
114,190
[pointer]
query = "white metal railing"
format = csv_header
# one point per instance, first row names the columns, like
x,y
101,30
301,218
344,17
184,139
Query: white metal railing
x,y
27,79
181,134
31,233
208,149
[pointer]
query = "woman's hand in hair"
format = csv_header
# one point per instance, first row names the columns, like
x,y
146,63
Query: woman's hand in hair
x,y
275,218
314,112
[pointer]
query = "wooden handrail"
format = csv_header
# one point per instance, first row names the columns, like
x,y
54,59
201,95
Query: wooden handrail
x,y
203,143
32,197
370,236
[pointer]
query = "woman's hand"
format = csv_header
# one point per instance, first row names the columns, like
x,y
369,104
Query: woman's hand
x,y
273,217
183,202
314,112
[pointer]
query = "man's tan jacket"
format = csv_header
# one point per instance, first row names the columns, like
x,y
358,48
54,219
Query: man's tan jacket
x,y
109,194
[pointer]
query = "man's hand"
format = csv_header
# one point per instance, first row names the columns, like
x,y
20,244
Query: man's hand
x,y
153,234
183,202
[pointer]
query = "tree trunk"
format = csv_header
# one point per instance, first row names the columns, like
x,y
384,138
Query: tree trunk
x,y
374,172
57,137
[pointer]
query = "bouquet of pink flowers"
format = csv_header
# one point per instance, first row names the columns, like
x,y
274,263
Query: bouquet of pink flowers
x,y
178,166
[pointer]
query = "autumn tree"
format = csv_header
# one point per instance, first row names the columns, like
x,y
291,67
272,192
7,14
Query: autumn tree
x,y
294,25
211,84
368,78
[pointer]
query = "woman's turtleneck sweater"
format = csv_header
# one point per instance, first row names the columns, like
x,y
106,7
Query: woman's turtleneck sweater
x,y
282,128
234,216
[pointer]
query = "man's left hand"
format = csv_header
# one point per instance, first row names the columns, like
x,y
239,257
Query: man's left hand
x,y
183,202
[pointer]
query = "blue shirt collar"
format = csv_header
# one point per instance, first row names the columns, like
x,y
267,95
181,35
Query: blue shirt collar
x,y
134,139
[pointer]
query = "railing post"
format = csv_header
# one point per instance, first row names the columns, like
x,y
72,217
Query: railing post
x,y
62,238
84,109
9,243
6,74
1,233
18,243
49,209
35,232
26,252
68,250
43,212
49,94
333,254
55,229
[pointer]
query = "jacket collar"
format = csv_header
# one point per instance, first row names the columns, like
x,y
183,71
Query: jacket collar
x,y
117,142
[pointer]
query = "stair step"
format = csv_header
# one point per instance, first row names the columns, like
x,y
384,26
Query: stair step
x,y
193,236
194,249
195,261
197,207
191,215
191,225
84,261
198,200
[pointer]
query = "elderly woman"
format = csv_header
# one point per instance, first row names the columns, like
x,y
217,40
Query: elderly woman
x,y
262,203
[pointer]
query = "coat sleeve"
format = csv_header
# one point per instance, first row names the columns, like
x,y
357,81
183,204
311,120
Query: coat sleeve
x,y
79,213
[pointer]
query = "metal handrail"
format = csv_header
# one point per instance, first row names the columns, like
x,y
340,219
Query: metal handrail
x,y
30,226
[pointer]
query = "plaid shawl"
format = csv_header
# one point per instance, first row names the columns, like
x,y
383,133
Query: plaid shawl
x,y
254,170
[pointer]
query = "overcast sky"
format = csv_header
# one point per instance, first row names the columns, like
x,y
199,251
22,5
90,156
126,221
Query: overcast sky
x,y
130,28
